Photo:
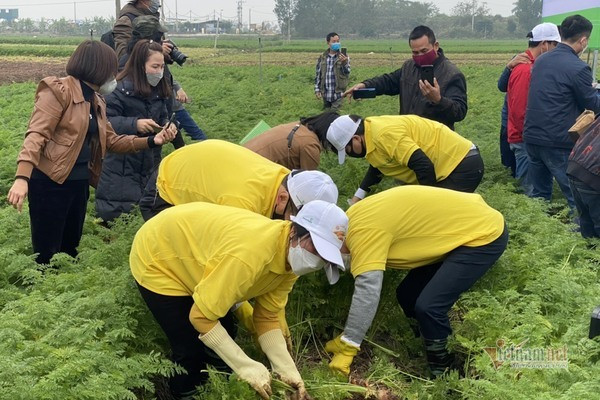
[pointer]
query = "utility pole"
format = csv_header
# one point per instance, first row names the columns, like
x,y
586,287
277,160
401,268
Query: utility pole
x,y
239,15
117,8
249,18
162,11
74,12
473,17
176,18
217,31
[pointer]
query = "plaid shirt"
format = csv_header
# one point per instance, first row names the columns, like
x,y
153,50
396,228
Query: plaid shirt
x,y
330,94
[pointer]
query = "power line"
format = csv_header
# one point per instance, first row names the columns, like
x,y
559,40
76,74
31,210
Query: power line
x,y
54,4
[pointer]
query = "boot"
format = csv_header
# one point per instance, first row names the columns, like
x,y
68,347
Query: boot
x,y
438,357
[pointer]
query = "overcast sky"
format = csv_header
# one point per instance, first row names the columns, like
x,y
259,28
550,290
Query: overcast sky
x,y
261,10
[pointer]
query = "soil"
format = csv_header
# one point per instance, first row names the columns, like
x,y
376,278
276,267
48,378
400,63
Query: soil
x,y
26,71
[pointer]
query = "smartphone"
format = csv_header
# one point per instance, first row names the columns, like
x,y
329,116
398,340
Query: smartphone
x,y
343,49
366,93
171,120
427,73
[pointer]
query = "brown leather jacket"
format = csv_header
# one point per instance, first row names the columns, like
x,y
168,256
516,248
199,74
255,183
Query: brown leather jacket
x,y
304,153
58,127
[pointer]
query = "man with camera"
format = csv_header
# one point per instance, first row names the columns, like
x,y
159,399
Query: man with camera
x,y
332,73
428,85
123,26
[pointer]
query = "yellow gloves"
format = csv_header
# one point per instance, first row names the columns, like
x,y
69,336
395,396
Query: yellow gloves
x,y
343,354
274,346
246,368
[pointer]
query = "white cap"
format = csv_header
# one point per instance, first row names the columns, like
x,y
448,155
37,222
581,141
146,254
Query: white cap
x,y
339,134
545,31
305,186
327,225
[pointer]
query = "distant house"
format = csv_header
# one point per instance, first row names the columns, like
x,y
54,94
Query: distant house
x,y
9,14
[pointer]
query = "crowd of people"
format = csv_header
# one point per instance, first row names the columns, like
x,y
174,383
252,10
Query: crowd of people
x,y
224,242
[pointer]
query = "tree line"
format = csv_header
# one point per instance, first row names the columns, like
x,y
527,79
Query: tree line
x,y
373,18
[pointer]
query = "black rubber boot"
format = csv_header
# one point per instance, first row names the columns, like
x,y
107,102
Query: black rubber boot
x,y
438,357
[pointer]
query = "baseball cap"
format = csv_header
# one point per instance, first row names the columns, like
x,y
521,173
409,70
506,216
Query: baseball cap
x,y
305,186
327,225
147,25
339,134
545,31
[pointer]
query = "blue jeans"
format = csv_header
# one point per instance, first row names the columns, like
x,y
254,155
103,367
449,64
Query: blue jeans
x,y
522,166
546,163
189,125
587,201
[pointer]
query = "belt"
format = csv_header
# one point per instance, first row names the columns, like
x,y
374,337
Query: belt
x,y
472,152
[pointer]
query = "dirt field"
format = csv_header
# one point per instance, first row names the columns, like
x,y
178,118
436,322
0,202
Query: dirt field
x,y
14,71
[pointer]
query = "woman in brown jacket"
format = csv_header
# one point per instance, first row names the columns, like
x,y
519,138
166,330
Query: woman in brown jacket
x,y
295,145
67,138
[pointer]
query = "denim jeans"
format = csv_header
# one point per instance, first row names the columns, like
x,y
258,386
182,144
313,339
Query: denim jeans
x,y
587,201
546,163
189,125
522,166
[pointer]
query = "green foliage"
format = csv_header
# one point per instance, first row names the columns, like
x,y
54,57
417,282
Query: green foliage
x,y
81,331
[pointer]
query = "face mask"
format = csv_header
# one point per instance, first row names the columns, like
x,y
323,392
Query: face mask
x,y
336,46
108,87
153,79
425,59
362,153
154,6
585,48
303,261
346,258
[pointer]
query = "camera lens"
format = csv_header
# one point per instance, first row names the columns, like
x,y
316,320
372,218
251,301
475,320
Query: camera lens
x,y
177,55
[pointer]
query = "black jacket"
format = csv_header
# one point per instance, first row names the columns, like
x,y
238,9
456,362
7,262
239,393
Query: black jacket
x,y
560,89
405,83
124,176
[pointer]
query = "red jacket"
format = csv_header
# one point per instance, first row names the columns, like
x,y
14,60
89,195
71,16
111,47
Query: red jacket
x,y
518,89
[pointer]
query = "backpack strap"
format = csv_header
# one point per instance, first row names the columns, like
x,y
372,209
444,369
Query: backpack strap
x,y
290,137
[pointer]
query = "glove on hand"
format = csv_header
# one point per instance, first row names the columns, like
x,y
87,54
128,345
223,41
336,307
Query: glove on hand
x,y
343,354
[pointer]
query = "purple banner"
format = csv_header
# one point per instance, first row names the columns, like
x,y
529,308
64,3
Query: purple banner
x,y
555,7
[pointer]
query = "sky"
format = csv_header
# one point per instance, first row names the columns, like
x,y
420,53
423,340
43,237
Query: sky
x,y
256,10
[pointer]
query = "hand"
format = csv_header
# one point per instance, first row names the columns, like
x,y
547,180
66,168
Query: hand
x,y
348,93
166,135
300,393
354,200
17,193
259,378
146,126
318,95
521,58
167,47
343,58
182,96
432,93
343,355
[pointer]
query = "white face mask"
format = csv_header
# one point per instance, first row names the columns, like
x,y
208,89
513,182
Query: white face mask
x,y
346,258
108,87
153,79
303,261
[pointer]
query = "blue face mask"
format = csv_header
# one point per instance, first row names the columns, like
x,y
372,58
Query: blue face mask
x,y
336,46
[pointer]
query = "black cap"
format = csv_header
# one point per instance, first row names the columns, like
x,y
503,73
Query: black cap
x,y
147,25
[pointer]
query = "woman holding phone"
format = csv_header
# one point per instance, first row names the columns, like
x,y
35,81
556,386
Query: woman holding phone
x,y
137,107
66,140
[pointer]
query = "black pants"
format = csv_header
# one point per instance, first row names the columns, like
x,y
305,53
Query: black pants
x,y
57,213
507,156
466,176
427,293
151,203
173,315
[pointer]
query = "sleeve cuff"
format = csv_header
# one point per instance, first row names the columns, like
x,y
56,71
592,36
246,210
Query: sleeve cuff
x,y
360,193
349,342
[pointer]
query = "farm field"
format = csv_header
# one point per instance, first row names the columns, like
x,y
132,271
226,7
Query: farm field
x,y
81,330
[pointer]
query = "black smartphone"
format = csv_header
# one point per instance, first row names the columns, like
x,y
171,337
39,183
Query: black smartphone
x,y
344,51
366,93
171,120
427,73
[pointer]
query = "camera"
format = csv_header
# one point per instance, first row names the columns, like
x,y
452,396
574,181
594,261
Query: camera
x,y
176,55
